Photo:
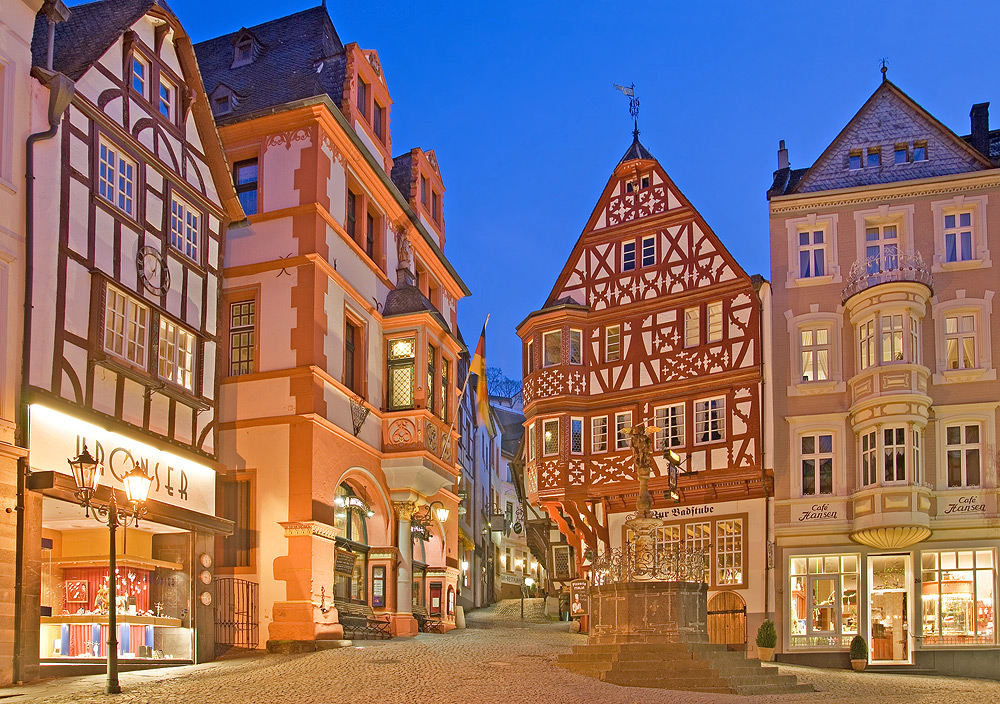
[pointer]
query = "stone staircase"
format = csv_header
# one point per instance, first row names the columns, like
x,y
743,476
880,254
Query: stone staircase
x,y
692,667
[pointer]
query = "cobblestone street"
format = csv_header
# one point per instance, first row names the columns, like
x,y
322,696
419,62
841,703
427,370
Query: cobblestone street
x,y
498,659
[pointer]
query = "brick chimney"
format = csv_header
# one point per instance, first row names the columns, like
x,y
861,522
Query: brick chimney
x,y
783,155
980,117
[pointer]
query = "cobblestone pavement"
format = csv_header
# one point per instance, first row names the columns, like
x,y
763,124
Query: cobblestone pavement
x,y
508,662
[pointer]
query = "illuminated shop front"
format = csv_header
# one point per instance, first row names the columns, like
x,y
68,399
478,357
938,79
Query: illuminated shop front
x,y
165,564
351,514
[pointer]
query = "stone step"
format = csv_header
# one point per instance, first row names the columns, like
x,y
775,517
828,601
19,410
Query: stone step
x,y
681,683
773,688
632,648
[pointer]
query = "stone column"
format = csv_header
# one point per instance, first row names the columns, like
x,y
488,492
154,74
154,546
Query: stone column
x,y
404,623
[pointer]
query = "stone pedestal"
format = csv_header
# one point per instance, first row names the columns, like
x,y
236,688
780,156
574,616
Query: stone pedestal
x,y
635,612
304,622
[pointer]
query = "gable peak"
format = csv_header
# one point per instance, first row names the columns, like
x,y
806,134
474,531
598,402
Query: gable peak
x,y
636,151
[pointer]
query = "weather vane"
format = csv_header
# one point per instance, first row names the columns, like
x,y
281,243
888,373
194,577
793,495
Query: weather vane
x,y
884,62
633,104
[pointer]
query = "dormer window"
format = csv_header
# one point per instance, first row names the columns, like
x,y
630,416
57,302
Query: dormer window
x,y
645,182
245,48
223,100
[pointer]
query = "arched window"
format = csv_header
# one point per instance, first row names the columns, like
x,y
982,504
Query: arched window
x,y
351,514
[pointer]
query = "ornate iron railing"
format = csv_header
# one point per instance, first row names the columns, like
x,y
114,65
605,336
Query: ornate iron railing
x,y
887,267
636,563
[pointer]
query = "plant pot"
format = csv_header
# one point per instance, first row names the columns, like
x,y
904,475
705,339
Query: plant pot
x,y
858,665
766,654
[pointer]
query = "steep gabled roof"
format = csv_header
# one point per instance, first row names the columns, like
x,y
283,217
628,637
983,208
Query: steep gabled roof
x,y
90,30
636,151
301,56
511,429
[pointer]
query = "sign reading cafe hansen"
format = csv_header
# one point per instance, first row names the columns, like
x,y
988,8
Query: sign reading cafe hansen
x,y
56,437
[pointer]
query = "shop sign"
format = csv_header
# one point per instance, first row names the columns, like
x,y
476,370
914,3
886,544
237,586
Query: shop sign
x,y
54,438
344,562
820,512
964,505
578,604
684,512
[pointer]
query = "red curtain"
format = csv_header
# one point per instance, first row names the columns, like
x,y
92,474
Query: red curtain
x,y
130,581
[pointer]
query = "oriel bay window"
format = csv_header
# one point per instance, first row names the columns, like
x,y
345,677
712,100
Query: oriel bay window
x,y
891,455
957,593
431,376
443,389
401,373
599,434
126,322
823,600
176,354
552,347
550,437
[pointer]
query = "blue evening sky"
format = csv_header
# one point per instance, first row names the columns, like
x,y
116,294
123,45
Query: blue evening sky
x,y
516,99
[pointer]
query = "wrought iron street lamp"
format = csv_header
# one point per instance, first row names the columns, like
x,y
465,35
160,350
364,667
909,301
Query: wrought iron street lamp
x,y
86,474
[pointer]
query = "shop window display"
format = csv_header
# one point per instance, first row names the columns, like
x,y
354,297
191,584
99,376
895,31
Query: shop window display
x,y
351,564
957,597
823,607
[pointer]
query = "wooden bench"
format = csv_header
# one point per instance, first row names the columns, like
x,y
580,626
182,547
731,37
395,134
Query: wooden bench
x,y
361,622
426,622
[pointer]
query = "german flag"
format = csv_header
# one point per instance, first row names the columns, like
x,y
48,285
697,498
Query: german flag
x,y
478,367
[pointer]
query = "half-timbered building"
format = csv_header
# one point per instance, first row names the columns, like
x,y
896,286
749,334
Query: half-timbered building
x,y
339,388
651,320
132,198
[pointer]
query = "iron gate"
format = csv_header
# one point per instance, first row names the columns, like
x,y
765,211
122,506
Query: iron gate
x,y
236,622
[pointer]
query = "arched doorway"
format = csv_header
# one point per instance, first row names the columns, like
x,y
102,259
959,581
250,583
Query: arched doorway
x,y
351,563
727,620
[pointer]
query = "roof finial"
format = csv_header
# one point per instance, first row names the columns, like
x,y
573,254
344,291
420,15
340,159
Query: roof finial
x,y
633,106
885,67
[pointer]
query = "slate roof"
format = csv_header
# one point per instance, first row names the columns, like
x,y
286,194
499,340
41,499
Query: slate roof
x,y
402,172
785,181
994,143
90,30
301,56
636,151
511,429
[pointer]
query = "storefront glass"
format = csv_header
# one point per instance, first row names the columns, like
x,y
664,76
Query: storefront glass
x,y
889,583
823,607
351,575
957,597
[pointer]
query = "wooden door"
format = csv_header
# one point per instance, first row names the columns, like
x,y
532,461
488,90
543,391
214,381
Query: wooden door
x,y
727,620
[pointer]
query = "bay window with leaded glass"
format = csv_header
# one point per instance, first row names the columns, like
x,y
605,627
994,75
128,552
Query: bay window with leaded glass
x,y
401,373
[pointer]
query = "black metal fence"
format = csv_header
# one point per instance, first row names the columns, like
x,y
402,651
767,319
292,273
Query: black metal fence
x,y
236,624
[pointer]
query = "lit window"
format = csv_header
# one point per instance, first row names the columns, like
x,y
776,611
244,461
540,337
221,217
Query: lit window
x,y
869,459
125,324
815,354
576,436
914,340
599,434
854,159
401,374
176,354
960,341
140,75
242,333
628,256
431,375
184,230
823,608
964,455
715,321
532,441
894,454
167,98
612,343
576,347
648,251
550,437
817,464
920,151
116,178
874,156
692,327
892,338
812,254
901,155
552,347
958,237
670,421
698,536
529,355
710,420
622,422
866,340
443,388
956,588
729,551
245,179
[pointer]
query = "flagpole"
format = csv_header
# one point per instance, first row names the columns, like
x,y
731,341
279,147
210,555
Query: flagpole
x,y
465,385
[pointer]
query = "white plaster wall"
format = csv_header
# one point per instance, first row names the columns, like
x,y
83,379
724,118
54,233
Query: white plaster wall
x,y
280,163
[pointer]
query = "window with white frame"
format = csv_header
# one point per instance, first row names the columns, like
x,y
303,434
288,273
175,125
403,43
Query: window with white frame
x,y
823,608
882,248
550,437
729,551
709,420
140,75
814,354
670,421
959,241
914,340
916,439
532,441
552,347
692,327
714,321
960,341
116,178
812,253
576,347
176,354
957,587
869,458
184,228
126,323
168,98
817,464
667,537
622,422
866,344
892,338
698,536
612,343
628,256
576,436
649,251
529,355
964,453
894,454
599,434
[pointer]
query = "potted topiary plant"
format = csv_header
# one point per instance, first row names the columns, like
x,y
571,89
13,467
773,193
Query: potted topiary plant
x,y
859,653
767,638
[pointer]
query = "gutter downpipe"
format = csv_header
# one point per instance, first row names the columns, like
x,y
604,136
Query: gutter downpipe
x,y
61,90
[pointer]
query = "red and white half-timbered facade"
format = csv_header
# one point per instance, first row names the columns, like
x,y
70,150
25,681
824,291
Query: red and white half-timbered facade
x,y
651,320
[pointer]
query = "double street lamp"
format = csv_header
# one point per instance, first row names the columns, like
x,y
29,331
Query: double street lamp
x,y
86,474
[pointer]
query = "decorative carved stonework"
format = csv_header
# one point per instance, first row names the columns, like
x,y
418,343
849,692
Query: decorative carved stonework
x,y
404,248
404,510
373,60
286,138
